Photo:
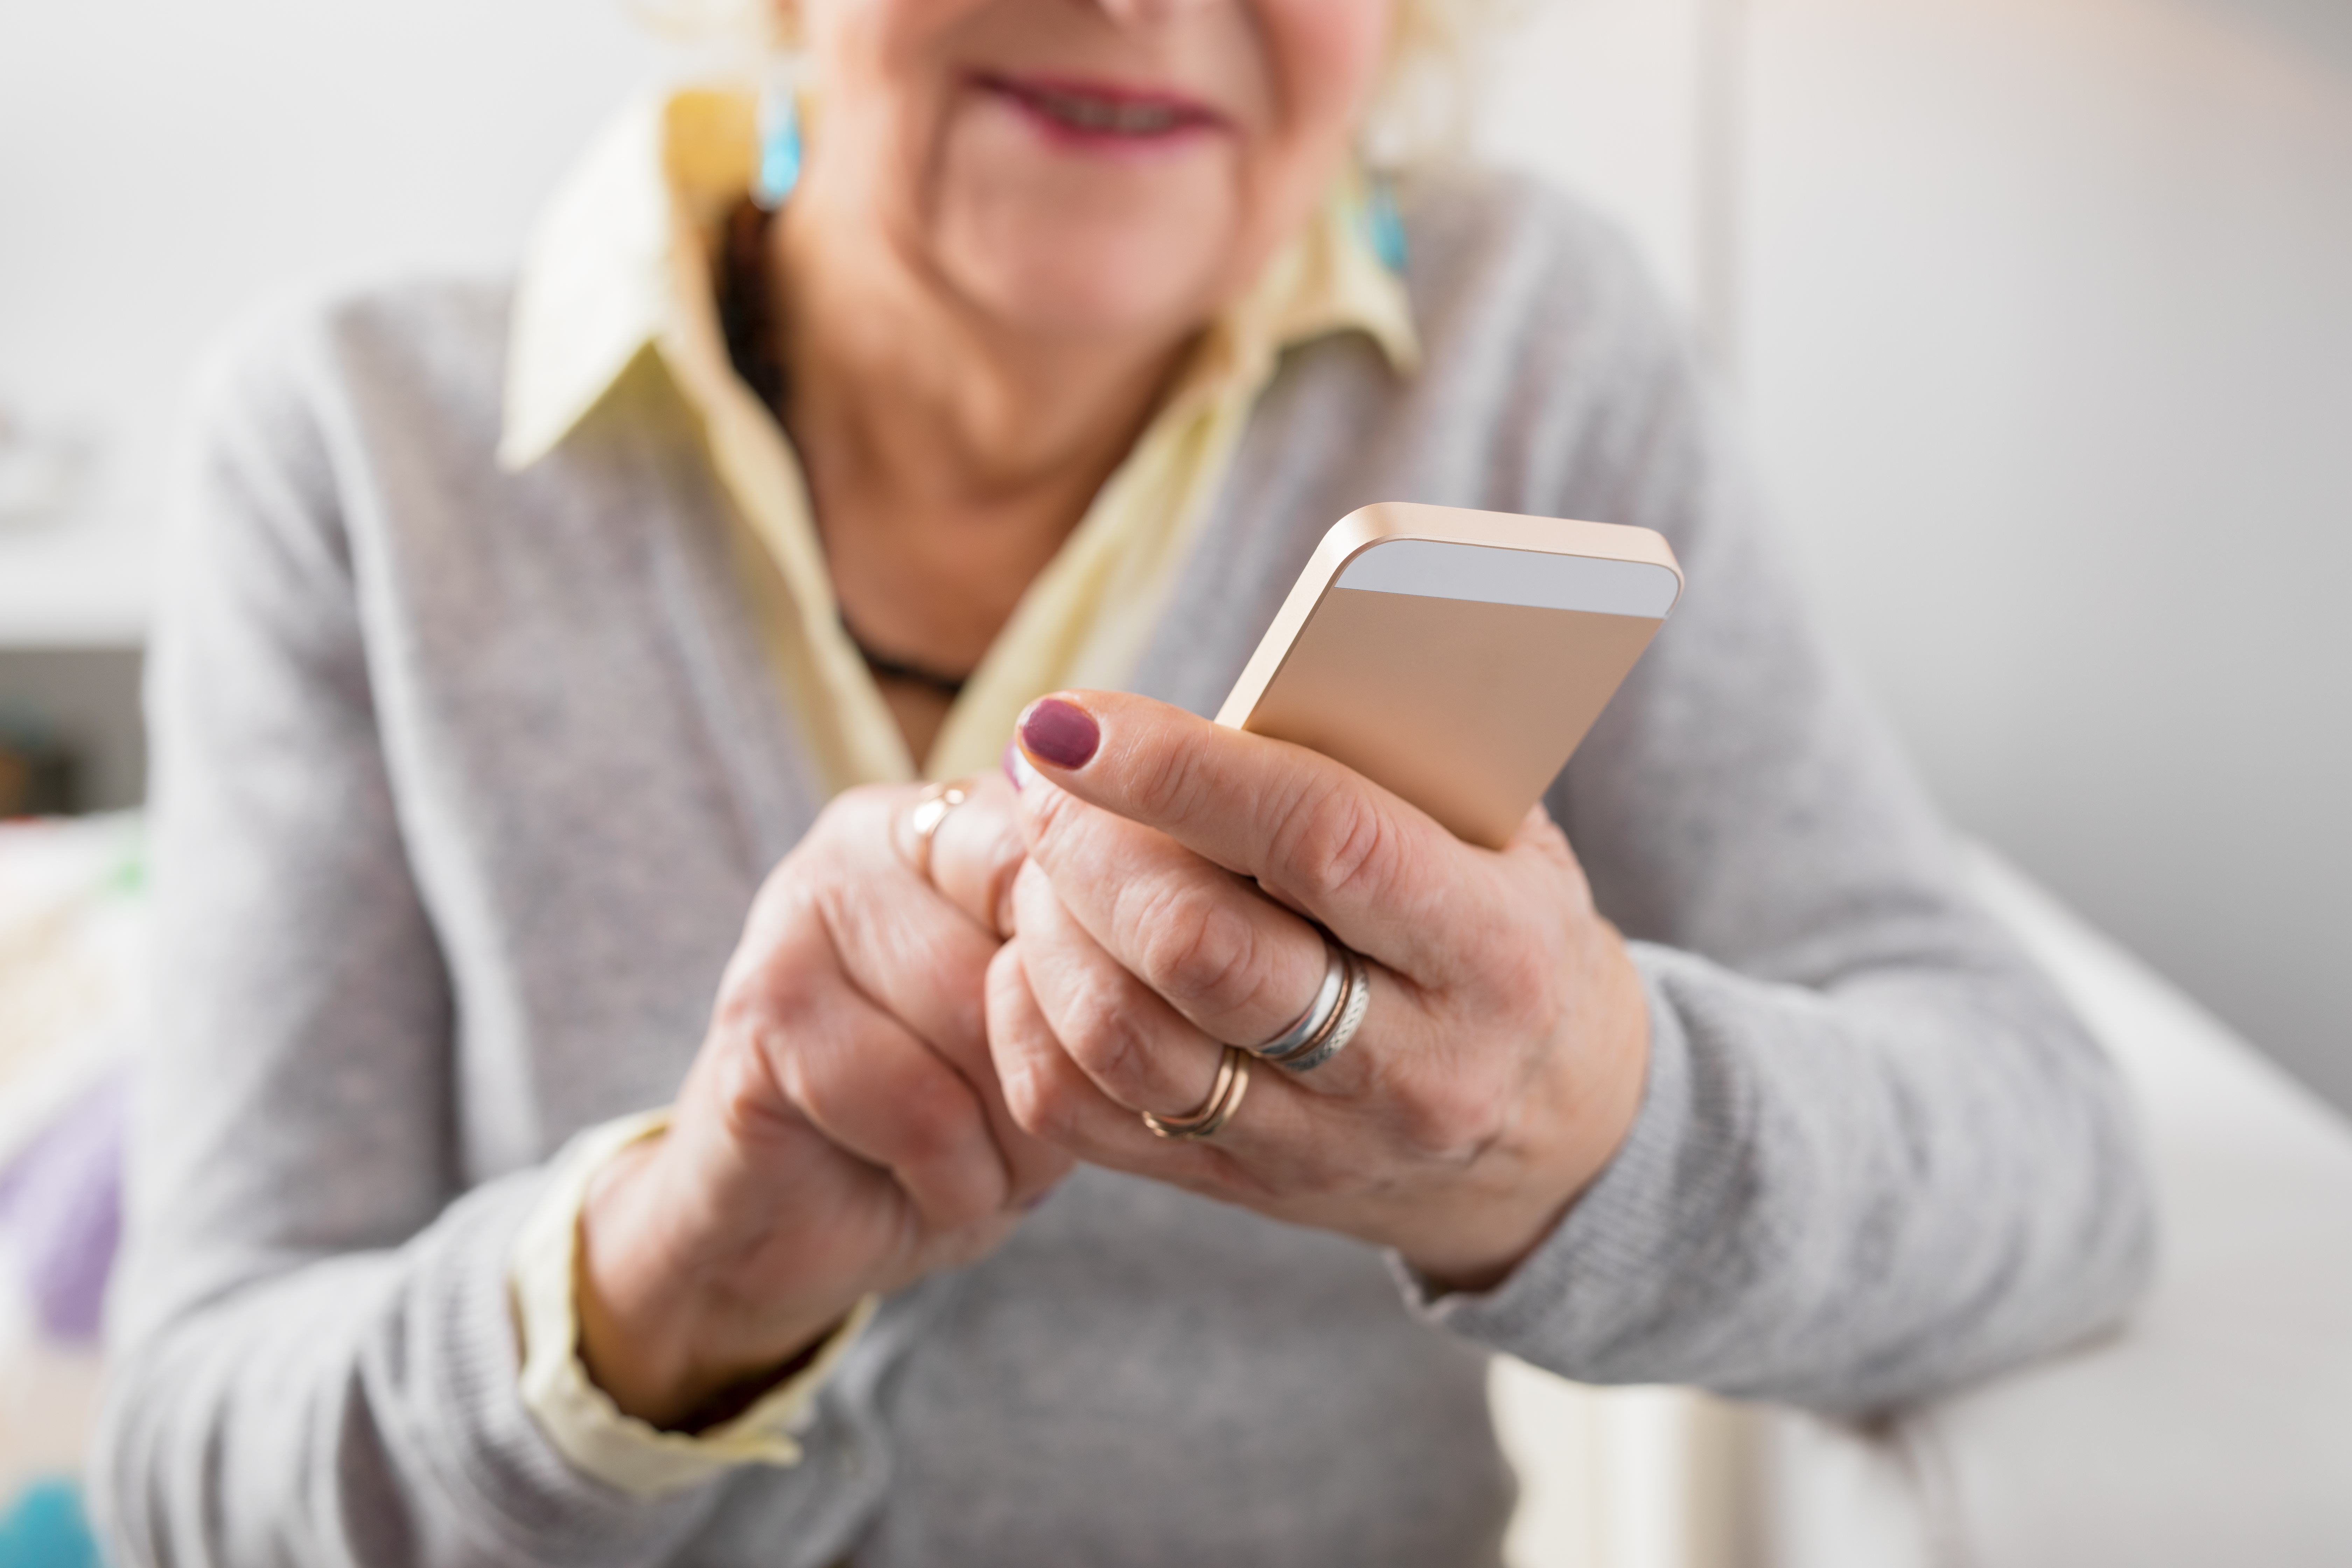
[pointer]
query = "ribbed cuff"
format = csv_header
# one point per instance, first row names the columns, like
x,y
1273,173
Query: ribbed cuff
x,y
504,1494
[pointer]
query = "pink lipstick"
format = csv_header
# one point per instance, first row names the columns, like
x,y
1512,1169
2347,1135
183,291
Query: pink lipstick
x,y
1103,116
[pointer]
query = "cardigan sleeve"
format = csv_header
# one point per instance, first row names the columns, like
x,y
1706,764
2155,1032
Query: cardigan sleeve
x,y
1876,1155
315,1356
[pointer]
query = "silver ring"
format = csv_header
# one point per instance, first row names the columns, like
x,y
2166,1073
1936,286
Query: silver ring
x,y
1319,1012
1332,1026
1340,1025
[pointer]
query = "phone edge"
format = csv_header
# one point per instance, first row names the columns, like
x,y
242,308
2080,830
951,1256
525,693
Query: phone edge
x,y
1382,521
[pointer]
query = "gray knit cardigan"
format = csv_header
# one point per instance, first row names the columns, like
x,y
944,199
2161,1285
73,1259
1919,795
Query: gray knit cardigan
x,y
464,780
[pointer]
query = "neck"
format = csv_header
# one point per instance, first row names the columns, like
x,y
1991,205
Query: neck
x,y
899,392
947,457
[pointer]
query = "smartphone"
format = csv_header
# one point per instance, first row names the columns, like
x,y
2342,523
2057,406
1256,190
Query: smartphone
x,y
1456,657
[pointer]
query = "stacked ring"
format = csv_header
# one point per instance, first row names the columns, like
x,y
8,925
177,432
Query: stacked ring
x,y
1224,1098
1319,1010
1331,1020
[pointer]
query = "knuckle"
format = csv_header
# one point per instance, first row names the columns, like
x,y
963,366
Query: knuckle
x,y
770,997
745,1012
1042,1100
813,1084
1321,1180
1452,1121
1526,985
930,1119
1163,783
776,906
859,805
841,820
784,918
1106,1039
968,1241
854,827
748,1103
1333,840
1517,980
1195,949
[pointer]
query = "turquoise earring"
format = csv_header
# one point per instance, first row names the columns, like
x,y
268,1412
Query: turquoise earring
x,y
779,145
1382,224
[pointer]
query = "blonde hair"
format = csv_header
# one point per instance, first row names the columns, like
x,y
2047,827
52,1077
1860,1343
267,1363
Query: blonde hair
x,y
1420,109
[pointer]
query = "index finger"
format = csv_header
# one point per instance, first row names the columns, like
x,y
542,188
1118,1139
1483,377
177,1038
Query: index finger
x,y
1384,876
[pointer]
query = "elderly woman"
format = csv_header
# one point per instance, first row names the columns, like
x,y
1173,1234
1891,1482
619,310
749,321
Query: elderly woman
x,y
531,652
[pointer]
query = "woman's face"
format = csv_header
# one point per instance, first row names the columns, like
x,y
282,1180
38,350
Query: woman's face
x,y
1085,168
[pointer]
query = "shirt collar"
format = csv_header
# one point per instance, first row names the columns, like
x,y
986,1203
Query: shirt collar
x,y
602,277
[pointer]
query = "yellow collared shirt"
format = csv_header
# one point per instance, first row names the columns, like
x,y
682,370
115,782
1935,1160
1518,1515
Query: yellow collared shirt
x,y
621,264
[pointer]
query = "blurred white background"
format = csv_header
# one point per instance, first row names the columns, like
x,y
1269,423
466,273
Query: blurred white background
x,y
2037,313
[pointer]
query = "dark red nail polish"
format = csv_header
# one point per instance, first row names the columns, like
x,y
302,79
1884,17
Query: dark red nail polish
x,y
1059,732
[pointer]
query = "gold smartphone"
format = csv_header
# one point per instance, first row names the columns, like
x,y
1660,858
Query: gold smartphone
x,y
1453,656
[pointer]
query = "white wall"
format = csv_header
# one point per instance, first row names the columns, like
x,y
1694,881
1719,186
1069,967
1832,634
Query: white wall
x,y
2048,349
1610,98
164,166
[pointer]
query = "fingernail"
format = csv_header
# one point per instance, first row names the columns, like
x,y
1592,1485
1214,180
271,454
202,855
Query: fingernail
x,y
1017,767
1062,733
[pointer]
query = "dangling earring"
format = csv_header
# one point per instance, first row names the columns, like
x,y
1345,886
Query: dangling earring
x,y
779,143
1383,225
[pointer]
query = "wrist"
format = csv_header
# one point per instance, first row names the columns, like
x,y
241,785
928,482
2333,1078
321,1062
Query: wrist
x,y
1582,1112
658,1333
1481,1241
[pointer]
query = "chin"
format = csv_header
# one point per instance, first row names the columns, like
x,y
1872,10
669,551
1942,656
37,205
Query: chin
x,y
1085,241
1094,281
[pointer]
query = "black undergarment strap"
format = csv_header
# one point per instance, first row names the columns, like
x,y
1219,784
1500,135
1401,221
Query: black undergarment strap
x,y
885,668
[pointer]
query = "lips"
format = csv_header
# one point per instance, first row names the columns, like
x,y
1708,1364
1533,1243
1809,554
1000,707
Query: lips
x,y
1102,113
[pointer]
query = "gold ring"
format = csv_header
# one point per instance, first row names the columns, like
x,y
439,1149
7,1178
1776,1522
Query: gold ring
x,y
931,810
1224,1098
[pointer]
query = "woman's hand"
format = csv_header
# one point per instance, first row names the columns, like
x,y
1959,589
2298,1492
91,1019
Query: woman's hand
x,y
1164,912
841,1133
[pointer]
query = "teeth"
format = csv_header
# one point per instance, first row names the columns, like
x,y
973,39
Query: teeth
x,y
1103,116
